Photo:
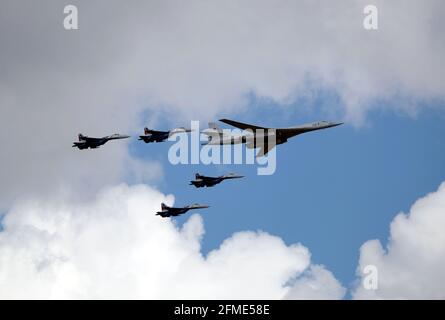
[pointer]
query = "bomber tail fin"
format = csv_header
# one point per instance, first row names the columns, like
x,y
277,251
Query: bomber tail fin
x,y
212,133
213,125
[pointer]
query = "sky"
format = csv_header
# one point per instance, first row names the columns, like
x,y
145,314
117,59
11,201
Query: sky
x,y
332,189
81,224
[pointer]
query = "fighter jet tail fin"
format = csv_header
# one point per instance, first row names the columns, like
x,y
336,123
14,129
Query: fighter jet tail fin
x,y
197,176
81,137
147,131
164,206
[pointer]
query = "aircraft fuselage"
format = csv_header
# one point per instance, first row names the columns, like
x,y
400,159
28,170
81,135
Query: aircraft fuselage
x,y
93,143
264,136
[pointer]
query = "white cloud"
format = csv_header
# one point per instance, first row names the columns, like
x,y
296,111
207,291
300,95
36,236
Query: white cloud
x,y
115,247
413,264
316,284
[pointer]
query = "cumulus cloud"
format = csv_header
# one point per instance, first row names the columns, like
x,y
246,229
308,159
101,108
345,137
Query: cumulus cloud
x,y
412,266
191,60
316,284
115,247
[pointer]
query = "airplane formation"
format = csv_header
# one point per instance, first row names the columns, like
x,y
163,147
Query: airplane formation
x,y
253,137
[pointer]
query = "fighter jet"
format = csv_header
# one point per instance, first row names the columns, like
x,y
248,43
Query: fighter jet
x,y
160,136
92,143
203,181
167,211
258,137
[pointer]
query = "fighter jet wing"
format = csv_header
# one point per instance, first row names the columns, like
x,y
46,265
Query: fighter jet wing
x,y
198,206
241,125
232,176
150,131
154,135
79,144
168,214
89,139
204,178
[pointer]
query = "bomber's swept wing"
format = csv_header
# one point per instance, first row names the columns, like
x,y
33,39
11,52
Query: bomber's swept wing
x,y
241,125
264,149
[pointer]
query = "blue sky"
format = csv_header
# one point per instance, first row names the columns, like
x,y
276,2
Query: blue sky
x,y
332,190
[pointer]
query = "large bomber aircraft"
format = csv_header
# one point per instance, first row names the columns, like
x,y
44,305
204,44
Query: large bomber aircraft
x,y
160,136
261,137
204,181
167,211
93,143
